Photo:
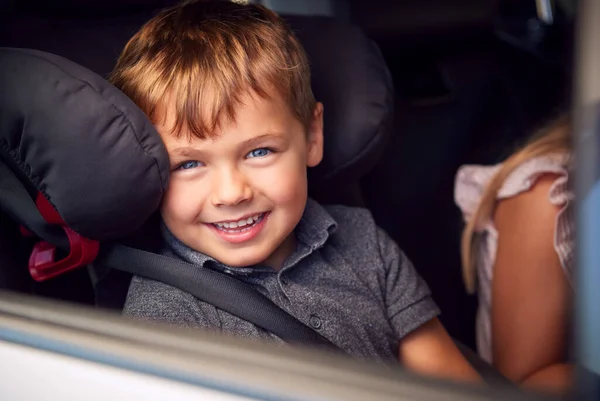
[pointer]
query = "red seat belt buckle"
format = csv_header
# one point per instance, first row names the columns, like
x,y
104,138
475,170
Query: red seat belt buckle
x,y
42,263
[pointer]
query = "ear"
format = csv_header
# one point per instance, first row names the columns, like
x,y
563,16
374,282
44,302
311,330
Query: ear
x,y
315,137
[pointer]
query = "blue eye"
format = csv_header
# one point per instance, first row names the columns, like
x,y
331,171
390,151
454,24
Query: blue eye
x,y
188,165
260,152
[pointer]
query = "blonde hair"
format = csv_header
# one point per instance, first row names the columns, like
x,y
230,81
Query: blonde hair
x,y
204,55
555,138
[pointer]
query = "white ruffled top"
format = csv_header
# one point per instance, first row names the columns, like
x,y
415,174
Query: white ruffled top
x,y
471,181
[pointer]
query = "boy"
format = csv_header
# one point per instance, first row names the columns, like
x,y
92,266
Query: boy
x,y
228,88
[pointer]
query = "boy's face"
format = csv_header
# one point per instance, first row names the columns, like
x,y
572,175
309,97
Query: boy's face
x,y
237,197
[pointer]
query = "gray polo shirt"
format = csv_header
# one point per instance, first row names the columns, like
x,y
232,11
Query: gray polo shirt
x,y
347,279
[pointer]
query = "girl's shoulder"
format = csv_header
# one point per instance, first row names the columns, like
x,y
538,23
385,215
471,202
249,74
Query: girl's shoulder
x,y
472,180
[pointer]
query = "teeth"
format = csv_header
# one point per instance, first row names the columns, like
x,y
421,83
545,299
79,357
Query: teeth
x,y
241,223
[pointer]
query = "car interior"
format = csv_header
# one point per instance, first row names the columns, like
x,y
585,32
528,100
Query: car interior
x,y
412,90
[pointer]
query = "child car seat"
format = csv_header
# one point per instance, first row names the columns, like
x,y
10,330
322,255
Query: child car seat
x,y
348,74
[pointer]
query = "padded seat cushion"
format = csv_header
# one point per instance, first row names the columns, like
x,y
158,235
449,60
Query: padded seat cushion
x,y
81,142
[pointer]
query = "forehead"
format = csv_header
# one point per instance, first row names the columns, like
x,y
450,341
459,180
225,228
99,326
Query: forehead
x,y
253,116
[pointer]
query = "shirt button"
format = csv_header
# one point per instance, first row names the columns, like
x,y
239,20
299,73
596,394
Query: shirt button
x,y
315,321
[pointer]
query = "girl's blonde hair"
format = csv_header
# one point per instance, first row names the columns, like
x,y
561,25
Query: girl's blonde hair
x,y
555,138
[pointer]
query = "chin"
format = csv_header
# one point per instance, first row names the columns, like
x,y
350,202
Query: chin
x,y
242,260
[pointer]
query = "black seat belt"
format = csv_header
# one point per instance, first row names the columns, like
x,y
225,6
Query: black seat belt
x,y
218,289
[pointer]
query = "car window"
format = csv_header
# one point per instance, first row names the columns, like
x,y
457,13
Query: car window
x,y
73,352
470,81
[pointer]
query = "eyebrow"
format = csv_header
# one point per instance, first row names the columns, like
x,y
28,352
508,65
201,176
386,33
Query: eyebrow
x,y
188,151
261,138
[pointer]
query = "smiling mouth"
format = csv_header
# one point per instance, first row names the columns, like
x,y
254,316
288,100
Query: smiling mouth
x,y
239,225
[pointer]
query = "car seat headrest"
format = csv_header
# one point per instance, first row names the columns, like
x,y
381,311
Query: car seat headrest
x,y
351,78
73,137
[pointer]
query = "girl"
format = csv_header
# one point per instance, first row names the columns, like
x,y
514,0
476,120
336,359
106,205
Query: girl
x,y
518,248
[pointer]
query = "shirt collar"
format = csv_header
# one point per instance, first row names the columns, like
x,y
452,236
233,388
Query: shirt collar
x,y
313,230
315,226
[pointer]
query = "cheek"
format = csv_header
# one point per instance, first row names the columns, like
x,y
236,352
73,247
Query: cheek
x,y
181,202
285,182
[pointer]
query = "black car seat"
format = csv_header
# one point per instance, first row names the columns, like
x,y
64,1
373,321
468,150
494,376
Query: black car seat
x,y
357,98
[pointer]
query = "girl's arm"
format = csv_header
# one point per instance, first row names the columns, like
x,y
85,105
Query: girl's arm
x,y
531,296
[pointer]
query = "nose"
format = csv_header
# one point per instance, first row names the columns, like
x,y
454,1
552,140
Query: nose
x,y
231,188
